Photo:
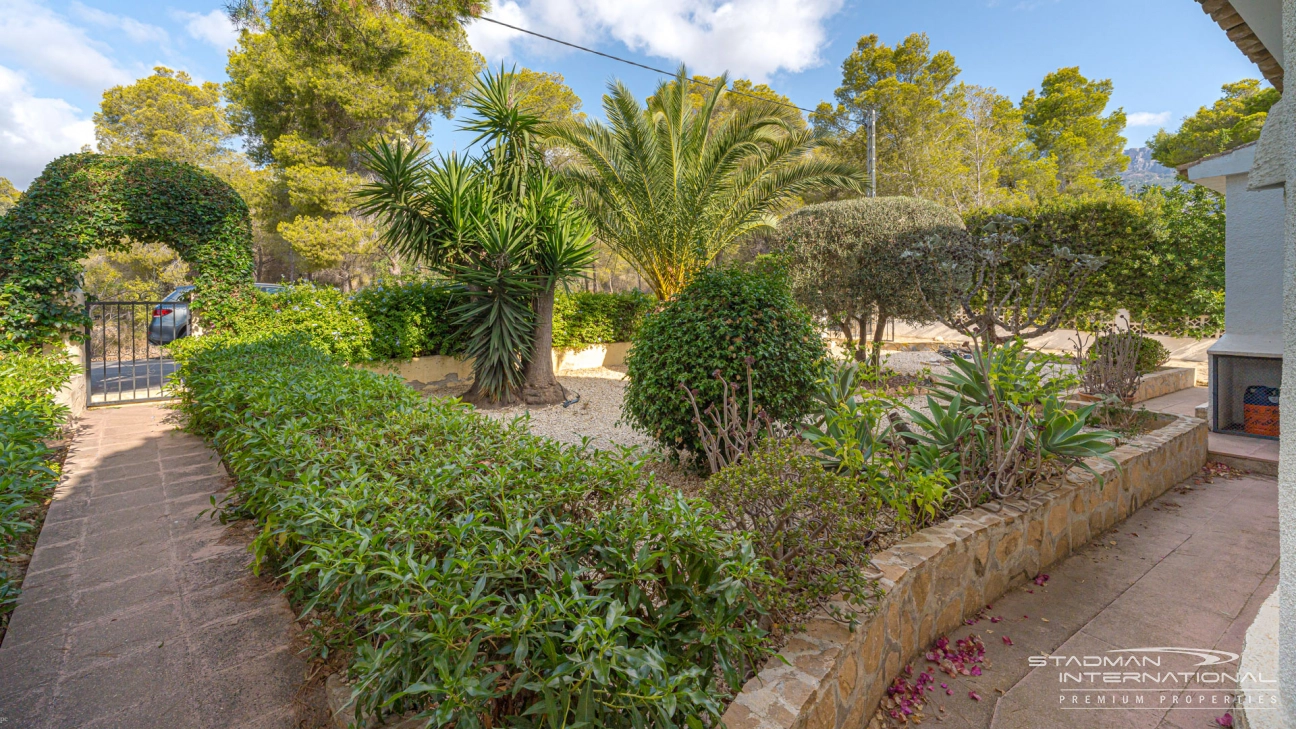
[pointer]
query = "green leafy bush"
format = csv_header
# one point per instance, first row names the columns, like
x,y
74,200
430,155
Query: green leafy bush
x,y
484,576
28,417
809,523
1151,353
412,319
322,313
585,318
723,317
848,261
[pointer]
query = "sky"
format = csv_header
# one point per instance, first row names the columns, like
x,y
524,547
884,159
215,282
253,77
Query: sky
x,y
1165,57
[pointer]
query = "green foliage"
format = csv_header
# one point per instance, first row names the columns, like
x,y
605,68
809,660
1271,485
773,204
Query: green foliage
x,y
808,523
669,187
1151,353
481,576
9,195
1164,249
142,272
1114,227
1064,121
411,319
714,325
84,201
587,317
960,145
28,417
311,83
499,225
320,315
848,259
164,115
1181,291
1232,121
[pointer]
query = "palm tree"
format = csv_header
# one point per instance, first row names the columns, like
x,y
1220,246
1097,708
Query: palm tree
x,y
500,226
670,186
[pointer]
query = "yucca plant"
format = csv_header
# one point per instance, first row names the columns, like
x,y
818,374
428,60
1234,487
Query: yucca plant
x,y
497,224
670,186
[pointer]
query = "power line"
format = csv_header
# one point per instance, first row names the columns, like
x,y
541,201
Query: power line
x,y
640,65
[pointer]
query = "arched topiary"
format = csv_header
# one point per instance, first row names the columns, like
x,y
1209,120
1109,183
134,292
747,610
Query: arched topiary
x,y
86,201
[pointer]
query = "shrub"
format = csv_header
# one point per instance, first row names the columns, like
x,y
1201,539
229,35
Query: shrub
x,y
723,317
847,259
28,417
1151,353
585,318
484,576
321,313
1114,226
811,526
412,319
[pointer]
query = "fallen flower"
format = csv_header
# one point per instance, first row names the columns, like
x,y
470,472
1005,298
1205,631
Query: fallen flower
x,y
1007,640
995,619
1041,578
974,696
1226,720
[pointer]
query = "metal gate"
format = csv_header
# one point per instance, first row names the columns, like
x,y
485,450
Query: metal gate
x,y
127,356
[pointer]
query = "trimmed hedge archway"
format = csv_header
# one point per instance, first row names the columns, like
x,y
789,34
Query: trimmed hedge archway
x,y
86,201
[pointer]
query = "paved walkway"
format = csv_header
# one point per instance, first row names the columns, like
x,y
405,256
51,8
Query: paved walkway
x,y
137,611
1188,570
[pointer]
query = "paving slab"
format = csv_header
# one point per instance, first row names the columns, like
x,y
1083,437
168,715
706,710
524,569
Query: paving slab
x,y
138,610
1189,570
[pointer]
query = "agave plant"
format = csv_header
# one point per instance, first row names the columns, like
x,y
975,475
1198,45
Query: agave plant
x,y
499,225
671,185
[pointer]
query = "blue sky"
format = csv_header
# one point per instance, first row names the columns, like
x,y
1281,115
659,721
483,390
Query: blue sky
x,y
1165,57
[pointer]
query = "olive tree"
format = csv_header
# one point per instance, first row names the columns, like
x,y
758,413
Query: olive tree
x,y
847,261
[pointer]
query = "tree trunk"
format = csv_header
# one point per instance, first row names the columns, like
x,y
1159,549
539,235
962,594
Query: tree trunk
x,y
879,332
541,386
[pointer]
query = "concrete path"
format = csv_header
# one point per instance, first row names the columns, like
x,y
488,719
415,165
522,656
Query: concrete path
x,y
1188,570
137,611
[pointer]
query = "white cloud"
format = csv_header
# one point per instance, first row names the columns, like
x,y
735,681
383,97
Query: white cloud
x,y
33,131
45,41
214,27
1147,119
751,38
134,29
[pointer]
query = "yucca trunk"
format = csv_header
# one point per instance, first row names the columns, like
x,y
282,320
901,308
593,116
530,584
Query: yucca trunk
x,y
541,386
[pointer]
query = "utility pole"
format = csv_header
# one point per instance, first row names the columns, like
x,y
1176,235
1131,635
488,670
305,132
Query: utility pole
x,y
872,152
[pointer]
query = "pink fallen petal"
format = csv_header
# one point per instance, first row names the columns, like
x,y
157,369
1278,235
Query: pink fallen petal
x,y
974,696
995,619
1007,640
976,670
944,685
1226,720
1040,579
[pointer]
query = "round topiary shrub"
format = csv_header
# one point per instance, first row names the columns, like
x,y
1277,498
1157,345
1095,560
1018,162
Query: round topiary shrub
x,y
849,261
723,317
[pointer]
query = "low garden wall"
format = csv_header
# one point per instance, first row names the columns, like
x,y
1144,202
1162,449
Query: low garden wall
x,y
439,369
832,678
1165,381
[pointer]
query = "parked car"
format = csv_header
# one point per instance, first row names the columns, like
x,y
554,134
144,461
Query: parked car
x,y
171,317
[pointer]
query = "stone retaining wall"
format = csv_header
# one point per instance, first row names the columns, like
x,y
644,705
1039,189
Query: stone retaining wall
x,y
439,369
1165,381
831,678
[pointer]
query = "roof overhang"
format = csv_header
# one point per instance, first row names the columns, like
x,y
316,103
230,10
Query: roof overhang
x,y
1255,27
1214,170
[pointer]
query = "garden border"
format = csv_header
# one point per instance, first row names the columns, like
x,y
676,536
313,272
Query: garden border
x,y
829,677
438,369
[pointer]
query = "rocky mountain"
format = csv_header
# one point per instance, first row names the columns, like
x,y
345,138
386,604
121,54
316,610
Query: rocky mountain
x,y
1143,170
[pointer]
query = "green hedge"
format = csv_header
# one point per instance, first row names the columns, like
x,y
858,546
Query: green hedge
x,y
479,573
28,417
586,318
411,319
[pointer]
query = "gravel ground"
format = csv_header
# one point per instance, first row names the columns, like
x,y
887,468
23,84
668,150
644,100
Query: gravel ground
x,y
601,391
